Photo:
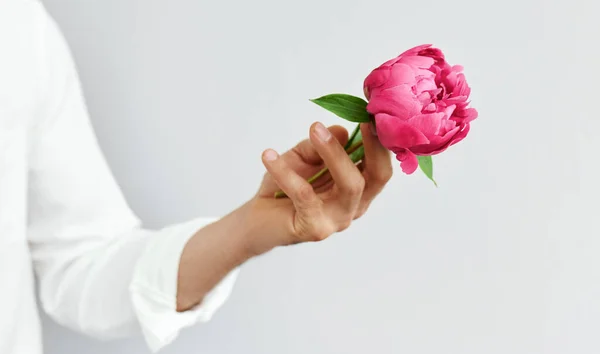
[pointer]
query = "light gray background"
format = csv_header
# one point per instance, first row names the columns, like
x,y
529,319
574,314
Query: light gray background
x,y
502,258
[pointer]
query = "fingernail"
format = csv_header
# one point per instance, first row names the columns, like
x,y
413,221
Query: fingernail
x,y
270,155
323,133
373,129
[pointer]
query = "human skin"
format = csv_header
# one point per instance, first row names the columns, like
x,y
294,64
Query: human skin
x,y
311,213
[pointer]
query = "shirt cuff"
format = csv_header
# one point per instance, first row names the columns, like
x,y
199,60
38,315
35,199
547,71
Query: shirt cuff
x,y
154,286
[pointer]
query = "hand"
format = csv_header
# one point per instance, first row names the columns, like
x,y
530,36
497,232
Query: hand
x,y
314,212
308,215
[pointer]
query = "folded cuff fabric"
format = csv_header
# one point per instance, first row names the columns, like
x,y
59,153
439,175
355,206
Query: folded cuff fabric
x,y
154,286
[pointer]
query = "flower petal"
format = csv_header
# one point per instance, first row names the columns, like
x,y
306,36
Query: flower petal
x,y
397,101
425,99
471,115
402,74
417,61
456,100
460,135
396,134
434,53
408,161
426,85
453,137
425,74
376,78
391,61
465,116
449,125
436,144
429,124
449,110
461,88
451,80
440,67
415,50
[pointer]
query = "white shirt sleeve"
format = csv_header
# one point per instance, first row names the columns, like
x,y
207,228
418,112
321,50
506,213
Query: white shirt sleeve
x,y
99,272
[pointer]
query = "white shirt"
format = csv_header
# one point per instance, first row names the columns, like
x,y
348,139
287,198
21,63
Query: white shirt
x,y
63,217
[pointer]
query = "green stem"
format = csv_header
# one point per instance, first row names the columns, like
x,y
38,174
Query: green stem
x,y
350,141
352,148
356,152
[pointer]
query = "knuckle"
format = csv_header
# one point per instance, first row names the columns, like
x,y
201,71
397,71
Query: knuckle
x,y
317,234
345,224
313,229
305,193
320,236
360,212
356,187
360,182
384,176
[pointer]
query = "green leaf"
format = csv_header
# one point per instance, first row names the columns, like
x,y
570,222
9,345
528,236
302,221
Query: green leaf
x,y
355,137
345,106
426,164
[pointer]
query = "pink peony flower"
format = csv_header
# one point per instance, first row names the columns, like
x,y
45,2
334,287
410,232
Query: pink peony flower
x,y
420,104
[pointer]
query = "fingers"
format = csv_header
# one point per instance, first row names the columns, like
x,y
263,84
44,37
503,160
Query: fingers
x,y
305,151
377,169
349,182
348,189
297,188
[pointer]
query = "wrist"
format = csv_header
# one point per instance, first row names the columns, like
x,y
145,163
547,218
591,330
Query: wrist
x,y
209,255
250,230
263,227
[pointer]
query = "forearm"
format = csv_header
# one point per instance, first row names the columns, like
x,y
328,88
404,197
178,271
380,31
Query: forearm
x,y
208,257
218,248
